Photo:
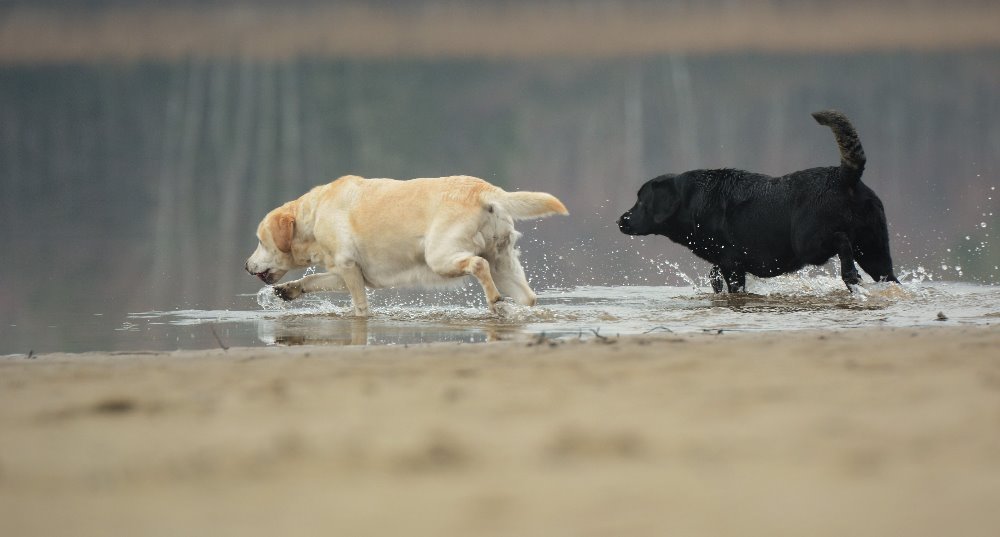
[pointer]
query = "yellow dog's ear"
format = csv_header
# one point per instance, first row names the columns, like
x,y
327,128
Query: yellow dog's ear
x,y
282,230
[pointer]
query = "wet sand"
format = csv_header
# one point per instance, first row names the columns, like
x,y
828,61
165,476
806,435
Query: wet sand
x,y
860,432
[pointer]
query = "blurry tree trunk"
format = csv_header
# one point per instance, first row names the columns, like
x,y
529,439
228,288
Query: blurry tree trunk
x,y
10,183
164,269
774,142
234,178
687,118
192,253
314,141
634,169
291,133
726,128
264,169
895,158
219,112
109,163
366,155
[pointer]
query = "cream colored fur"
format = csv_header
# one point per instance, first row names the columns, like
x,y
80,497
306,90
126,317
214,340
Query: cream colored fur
x,y
388,233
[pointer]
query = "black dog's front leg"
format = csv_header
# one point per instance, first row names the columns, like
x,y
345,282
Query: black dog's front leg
x,y
715,277
847,271
736,279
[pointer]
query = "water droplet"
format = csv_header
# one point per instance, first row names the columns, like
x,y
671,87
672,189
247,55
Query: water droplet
x,y
982,224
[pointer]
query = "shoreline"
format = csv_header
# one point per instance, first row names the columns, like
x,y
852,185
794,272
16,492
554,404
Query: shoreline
x,y
868,431
519,31
526,340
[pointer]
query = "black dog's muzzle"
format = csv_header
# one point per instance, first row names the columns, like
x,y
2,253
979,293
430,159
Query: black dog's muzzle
x,y
625,224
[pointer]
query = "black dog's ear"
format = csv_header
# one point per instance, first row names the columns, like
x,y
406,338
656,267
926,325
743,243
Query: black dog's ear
x,y
666,200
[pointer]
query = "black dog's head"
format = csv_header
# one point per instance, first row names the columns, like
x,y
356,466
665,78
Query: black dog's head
x,y
657,201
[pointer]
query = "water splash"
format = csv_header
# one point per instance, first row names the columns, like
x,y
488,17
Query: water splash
x,y
268,300
816,299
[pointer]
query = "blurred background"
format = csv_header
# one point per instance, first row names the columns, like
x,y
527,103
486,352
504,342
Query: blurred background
x,y
142,141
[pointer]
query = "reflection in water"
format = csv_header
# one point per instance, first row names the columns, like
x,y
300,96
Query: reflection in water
x,y
334,330
282,332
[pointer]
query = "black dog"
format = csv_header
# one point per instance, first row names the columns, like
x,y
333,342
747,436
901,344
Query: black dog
x,y
747,222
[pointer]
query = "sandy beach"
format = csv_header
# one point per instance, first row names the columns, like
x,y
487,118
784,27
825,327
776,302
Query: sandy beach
x,y
861,432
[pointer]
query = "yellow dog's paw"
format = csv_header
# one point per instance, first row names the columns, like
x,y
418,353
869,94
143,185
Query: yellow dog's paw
x,y
288,291
502,308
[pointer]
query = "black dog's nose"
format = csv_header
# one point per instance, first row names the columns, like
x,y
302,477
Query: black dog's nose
x,y
623,222
246,267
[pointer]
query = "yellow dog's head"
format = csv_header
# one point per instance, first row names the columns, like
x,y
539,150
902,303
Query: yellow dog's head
x,y
276,235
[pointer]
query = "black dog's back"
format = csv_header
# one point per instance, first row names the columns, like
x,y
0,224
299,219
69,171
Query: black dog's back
x,y
745,222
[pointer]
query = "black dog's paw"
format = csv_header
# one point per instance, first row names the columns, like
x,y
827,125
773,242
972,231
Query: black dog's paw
x,y
851,279
288,291
717,286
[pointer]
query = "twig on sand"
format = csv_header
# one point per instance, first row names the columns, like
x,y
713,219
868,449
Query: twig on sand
x,y
655,328
31,354
603,339
597,333
542,338
218,339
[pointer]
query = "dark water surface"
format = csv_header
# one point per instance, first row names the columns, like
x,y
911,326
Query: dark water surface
x,y
137,187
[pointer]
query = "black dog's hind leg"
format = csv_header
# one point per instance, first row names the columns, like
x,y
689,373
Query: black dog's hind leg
x,y
715,276
873,256
878,267
847,271
736,280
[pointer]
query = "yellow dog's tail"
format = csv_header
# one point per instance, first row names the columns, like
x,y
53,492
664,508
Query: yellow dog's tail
x,y
525,205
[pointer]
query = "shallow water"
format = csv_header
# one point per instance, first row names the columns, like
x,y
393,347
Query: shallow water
x,y
796,302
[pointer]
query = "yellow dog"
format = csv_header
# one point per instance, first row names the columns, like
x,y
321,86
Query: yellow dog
x,y
387,233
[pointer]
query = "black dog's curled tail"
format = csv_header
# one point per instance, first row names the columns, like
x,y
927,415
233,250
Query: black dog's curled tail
x,y
852,155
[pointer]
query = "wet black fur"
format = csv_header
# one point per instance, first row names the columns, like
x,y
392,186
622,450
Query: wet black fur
x,y
745,222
